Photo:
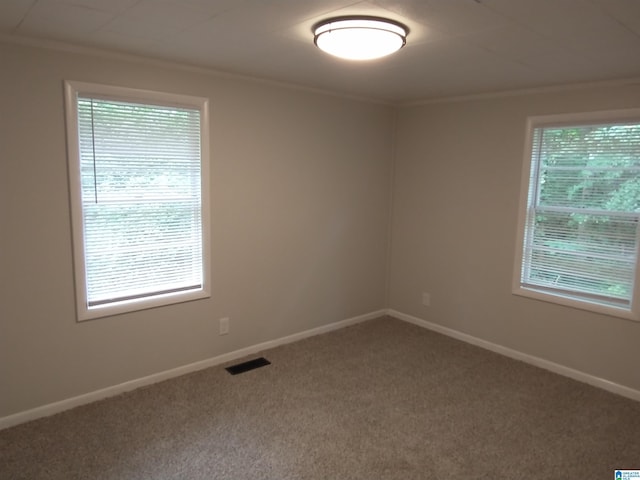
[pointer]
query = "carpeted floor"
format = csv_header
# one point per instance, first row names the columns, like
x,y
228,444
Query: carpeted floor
x,y
380,400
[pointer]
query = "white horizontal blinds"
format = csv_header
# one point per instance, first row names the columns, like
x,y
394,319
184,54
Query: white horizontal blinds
x,y
582,232
141,199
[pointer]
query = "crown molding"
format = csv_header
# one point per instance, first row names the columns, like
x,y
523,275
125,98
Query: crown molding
x,y
565,87
213,72
67,47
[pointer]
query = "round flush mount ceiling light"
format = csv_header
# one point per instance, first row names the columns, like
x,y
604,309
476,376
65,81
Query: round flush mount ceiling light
x,y
359,38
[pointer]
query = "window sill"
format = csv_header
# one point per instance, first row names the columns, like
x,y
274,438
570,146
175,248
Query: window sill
x,y
581,304
127,306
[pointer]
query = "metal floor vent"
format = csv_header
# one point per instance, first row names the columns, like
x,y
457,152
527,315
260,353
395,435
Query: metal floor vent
x,y
246,366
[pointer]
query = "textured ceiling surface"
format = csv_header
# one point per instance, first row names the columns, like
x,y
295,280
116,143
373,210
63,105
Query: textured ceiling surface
x,y
455,47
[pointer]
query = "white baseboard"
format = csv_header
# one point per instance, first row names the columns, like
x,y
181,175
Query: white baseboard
x,y
62,405
524,357
57,407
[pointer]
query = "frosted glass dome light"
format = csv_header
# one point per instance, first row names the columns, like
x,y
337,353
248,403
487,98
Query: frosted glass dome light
x,y
360,38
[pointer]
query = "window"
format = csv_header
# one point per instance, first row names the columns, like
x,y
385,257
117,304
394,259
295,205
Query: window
x,y
579,212
138,170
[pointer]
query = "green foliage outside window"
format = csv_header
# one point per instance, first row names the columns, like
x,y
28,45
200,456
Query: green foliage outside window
x,y
586,209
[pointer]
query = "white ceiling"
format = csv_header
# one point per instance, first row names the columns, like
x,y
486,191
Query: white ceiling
x,y
455,47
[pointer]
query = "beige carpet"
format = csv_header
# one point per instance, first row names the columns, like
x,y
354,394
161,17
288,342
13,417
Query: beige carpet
x,y
379,400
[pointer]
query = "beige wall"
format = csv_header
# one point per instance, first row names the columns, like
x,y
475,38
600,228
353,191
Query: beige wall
x,y
300,227
455,208
300,211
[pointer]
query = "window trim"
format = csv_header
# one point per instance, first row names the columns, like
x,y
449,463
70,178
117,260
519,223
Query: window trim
x,y
71,91
632,312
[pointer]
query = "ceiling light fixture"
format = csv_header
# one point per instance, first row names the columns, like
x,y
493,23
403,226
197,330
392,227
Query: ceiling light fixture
x,y
360,37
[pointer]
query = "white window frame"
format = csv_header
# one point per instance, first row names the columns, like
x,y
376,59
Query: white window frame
x,y
529,180
72,89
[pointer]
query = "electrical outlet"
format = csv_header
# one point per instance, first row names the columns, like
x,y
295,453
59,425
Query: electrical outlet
x,y
224,326
426,299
